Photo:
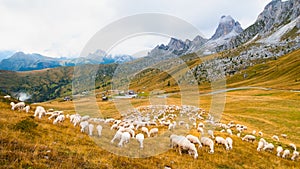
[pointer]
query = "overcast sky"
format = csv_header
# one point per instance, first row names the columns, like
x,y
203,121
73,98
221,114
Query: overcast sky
x,y
62,27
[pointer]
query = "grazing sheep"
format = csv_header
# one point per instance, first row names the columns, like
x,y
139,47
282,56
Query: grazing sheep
x,y
125,137
275,137
284,135
229,131
201,130
187,126
7,97
238,134
99,130
222,131
114,126
254,132
85,118
171,126
132,133
211,134
75,119
229,142
293,146
187,145
260,133
201,125
295,155
91,128
194,139
208,142
27,108
269,147
145,130
221,140
286,153
118,136
140,138
260,145
40,111
83,125
153,131
249,138
279,150
59,119
18,106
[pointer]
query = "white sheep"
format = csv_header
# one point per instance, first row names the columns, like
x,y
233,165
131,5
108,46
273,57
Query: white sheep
x,y
260,133
125,137
254,132
75,119
229,131
194,139
27,108
221,140
201,130
293,146
118,136
249,138
114,126
238,134
83,125
140,138
19,105
279,150
7,97
153,131
85,118
187,145
229,142
295,155
99,130
260,145
211,134
286,153
275,137
145,130
269,147
201,125
59,118
284,135
208,142
91,128
40,111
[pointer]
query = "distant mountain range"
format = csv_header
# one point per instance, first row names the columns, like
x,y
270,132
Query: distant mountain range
x,y
278,23
26,62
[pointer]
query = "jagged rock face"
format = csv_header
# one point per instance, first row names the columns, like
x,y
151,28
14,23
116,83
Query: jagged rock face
x,y
227,24
275,14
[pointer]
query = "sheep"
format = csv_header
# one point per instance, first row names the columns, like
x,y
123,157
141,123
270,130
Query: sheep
x,y
194,139
260,133
174,140
279,150
171,126
187,145
295,155
238,134
26,108
118,135
145,130
55,114
201,125
7,97
208,142
132,133
85,118
275,137
140,138
211,134
222,131
40,111
249,138
284,135
229,142
125,137
83,125
254,132
269,147
59,118
200,129
19,105
153,131
75,119
261,144
221,140
91,128
187,126
293,146
114,126
229,131
286,153
99,130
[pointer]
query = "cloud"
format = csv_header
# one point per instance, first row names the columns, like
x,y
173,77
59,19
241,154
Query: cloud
x,y
62,27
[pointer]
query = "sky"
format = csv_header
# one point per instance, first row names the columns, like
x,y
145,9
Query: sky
x,y
61,28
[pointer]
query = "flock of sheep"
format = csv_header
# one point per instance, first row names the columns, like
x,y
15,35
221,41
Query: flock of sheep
x,y
150,121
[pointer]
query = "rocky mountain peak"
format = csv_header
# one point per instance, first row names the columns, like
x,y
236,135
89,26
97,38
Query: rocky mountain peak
x,y
226,25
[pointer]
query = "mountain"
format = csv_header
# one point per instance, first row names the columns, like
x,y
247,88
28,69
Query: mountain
x,y
274,17
5,54
26,62
227,26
